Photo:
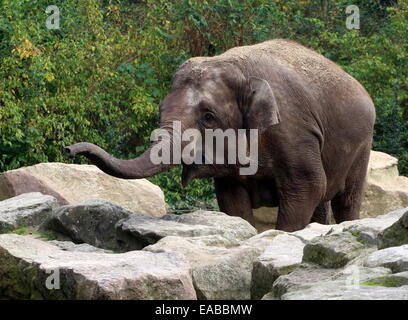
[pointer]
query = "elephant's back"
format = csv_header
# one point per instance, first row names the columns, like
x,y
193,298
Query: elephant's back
x,y
318,71
338,93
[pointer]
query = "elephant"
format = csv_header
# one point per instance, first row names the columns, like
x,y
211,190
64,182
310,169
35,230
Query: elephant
x,y
315,126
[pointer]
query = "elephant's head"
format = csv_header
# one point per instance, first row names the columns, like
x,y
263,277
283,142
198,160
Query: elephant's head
x,y
205,94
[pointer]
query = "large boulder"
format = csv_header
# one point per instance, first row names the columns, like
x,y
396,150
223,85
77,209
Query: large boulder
x,y
394,258
231,227
303,275
108,226
351,283
33,269
138,231
368,230
336,290
26,210
385,189
281,256
221,270
72,184
91,222
396,234
313,230
334,250
262,240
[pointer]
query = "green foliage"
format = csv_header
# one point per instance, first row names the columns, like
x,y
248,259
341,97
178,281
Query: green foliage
x,y
100,77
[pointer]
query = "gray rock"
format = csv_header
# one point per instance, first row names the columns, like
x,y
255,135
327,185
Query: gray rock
x,y
91,222
395,258
281,257
228,226
305,274
369,229
312,231
336,290
334,250
25,210
358,274
391,280
384,190
26,265
139,231
317,282
396,234
220,270
83,247
262,240
396,214
336,228
76,183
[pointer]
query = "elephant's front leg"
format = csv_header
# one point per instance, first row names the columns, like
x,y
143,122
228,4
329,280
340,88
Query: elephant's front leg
x,y
233,199
299,196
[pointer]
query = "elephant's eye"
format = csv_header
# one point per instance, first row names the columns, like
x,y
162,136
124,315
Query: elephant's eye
x,y
208,118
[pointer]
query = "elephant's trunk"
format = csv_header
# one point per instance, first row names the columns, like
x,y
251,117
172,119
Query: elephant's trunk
x,y
140,167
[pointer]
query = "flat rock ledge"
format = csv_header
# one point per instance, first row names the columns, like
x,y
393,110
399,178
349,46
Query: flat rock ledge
x,y
33,269
28,210
108,226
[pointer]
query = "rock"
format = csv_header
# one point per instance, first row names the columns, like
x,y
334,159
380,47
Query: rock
x,y
265,218
369,229
83,247
335,290
303,275
281,257
262,240
28,210
337,228
28,265
385,189
232,227
334,250
106,225
73,184
354,274
92,222
317,282
138,231
218,272
391,280
394,258
312,230
396,234
396,214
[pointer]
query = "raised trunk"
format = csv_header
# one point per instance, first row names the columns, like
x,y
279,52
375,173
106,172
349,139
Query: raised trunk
x,y
140,167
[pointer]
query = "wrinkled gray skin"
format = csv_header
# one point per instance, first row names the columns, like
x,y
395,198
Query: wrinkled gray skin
x,y
315,131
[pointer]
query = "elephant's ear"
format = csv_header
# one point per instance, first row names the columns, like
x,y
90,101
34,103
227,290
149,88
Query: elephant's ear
x,y
262,110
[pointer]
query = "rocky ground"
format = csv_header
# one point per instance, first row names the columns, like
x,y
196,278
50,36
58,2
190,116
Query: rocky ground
x,y
101,251
64,242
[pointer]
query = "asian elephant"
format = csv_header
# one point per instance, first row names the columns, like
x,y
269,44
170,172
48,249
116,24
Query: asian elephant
x,y
315,125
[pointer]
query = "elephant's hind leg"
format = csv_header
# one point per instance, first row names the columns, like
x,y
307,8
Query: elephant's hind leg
x,y
322,213
346,205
